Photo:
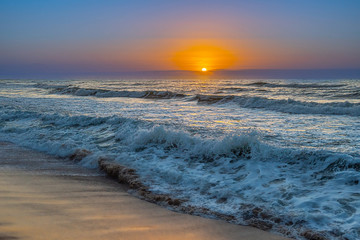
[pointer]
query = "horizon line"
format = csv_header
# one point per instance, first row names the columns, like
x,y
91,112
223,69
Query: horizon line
x,y
314,73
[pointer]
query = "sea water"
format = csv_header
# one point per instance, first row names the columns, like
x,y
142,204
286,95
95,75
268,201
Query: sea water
x,y
282,153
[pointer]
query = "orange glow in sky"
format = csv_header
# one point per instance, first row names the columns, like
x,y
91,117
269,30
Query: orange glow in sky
x,y
203,58
137,36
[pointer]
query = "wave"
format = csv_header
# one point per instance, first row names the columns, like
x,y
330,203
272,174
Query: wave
x,y
237,175
103,93
139,133
278,105
295,85
352,95
285,106
235,89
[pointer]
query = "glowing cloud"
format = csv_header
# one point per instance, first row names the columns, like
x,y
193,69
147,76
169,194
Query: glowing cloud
x,y
200,57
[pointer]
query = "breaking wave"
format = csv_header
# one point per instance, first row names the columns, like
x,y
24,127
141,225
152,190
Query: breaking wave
x,y
286,190
285,106
279,105
295,85
77,91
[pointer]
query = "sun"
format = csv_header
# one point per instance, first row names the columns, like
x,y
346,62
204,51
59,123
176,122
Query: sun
x,y
203,58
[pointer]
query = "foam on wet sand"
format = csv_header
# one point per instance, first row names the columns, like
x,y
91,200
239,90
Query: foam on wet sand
x,y
43,197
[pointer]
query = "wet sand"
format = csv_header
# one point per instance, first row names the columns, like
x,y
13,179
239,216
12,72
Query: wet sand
x,y
42,197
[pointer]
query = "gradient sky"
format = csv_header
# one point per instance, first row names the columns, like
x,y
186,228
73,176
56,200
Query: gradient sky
x,y
77,36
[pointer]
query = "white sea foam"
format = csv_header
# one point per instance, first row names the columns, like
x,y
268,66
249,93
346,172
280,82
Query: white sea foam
x,y
248,154
306,189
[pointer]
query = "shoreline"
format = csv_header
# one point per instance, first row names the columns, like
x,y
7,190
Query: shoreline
x,y
44,198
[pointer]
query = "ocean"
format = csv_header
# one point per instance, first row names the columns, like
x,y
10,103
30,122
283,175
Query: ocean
x,y
282,155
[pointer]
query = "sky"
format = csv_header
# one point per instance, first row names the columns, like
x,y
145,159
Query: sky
x,y
83,36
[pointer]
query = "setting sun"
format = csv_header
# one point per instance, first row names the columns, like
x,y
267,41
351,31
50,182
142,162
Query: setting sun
x,y
196,57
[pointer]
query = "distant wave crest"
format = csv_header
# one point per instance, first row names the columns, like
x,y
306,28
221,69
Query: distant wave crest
x,y
294,85
279,105
111,93
285,106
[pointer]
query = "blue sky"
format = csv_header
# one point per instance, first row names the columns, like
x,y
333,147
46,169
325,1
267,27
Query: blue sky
x,y
111,36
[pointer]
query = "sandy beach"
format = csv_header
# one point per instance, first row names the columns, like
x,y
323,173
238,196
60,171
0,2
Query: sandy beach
x,y
43,197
